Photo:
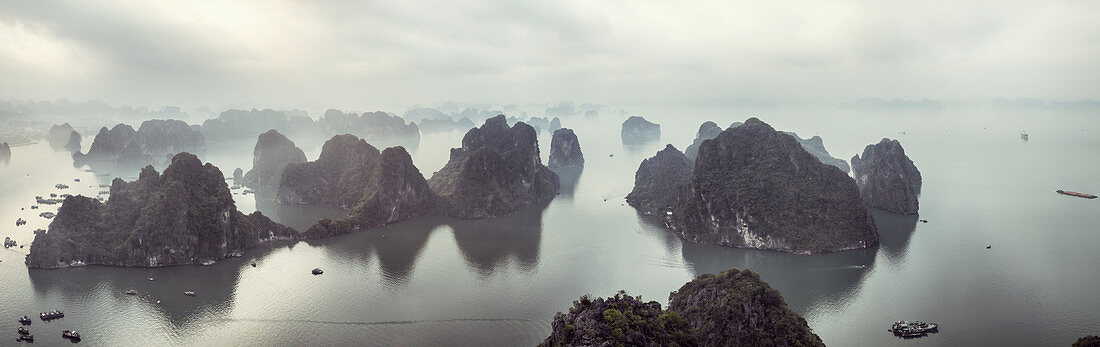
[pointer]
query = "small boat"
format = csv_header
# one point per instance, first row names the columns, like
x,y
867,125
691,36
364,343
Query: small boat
x,y
131,292
1079,195
150,278
236,254
924,221
910,329
1023,135
989,247
207,263
23,331
75,263
317,271
189,293
863,266
29,338
72,335
25,320
253,264
55,314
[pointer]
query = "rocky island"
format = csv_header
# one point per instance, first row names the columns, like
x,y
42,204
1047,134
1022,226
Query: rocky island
x,y
375,127
637,130
184,216
273,152
377,188
816,147
659,181
5,152
565,150
733,308
155,139
496,171
64,137
887,178
708,130
754,187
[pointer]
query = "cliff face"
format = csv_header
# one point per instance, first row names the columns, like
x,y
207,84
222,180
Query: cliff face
x,y
708,130
272,154
887,179
638,130
334,178
375,127
242,124
659,181
496,170
184,216
565,150
378,188
622,320
64,137
816,147
5,152
155,139
754,187
736,308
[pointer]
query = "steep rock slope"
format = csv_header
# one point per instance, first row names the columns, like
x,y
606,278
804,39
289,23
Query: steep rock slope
x,y
565,150
754,187
273,152
887,178
497,170
184,216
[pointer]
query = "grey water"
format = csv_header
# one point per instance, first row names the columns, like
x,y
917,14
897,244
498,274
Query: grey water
x,y
440,281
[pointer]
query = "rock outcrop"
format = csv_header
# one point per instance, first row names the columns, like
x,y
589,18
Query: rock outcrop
x,y
497,170
659,181
540,124
754,187
377,188
565,150
123,146
887,179
708,130
638,130
184,216
429,125
816,147
273,152
733,308
737,308
622,320
64,137
244,124
5,152
375,127
555,124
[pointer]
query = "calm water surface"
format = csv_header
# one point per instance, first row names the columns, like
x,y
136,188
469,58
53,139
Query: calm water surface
x,y
439,281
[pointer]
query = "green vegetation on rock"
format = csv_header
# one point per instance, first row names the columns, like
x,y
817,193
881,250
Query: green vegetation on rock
x,y
184,216
737,308
622,320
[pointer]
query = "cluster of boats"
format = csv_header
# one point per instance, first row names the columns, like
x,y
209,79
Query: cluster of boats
x,y
910,329
25,334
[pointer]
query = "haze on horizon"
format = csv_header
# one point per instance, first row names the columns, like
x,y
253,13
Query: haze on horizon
x,y
396,54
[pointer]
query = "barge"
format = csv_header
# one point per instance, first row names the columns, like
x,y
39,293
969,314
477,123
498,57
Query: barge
x,y
1079,195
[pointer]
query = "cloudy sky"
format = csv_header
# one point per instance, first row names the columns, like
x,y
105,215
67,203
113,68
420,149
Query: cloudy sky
x,y
391,53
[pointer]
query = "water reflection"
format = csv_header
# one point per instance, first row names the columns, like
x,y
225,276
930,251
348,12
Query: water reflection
x,y
568,176
299,217
488,244
397,246
894,232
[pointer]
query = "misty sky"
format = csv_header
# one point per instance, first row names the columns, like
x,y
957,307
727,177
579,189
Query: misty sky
x,y
357,54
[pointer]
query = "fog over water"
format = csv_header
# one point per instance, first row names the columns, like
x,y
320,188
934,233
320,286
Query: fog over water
x,y
955,83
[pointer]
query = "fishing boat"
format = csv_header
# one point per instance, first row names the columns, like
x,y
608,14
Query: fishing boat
x,y
909,329
72,335
1023,135
25,320
189,293
131,292
1079,195
317,271
23,331
51,315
